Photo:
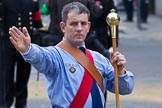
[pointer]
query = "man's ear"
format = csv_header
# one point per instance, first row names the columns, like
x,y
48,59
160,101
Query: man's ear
x,y
89,26
62,26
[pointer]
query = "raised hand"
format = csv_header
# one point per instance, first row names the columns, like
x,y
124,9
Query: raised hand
x,y
20,39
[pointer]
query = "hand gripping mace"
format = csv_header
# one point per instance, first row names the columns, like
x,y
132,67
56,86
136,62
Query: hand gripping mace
x,y
113,20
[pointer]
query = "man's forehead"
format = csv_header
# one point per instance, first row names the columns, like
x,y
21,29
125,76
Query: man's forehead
x,y
75,16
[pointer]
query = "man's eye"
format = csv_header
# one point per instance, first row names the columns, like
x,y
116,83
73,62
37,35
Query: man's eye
x,y
84,23
77,23
74,24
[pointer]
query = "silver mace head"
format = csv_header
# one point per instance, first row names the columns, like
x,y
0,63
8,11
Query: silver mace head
x,y
112,18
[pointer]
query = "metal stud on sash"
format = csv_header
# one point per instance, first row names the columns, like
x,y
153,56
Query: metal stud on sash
x,y
113,20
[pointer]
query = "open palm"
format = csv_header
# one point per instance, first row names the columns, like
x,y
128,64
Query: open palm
x,y
20,39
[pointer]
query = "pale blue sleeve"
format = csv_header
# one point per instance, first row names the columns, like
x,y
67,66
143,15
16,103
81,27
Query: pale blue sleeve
x,y
39,57
126,83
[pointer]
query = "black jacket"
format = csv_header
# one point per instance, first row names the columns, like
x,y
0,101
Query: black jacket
x,y
21,13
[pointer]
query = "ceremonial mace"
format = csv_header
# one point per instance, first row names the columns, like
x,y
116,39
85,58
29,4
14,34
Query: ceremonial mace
x,y
113,20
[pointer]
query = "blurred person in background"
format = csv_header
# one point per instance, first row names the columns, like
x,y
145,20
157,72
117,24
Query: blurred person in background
x,y
129,9
144,10
18,13
101,29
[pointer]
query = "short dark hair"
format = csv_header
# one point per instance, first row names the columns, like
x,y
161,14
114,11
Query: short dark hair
x,y
74,7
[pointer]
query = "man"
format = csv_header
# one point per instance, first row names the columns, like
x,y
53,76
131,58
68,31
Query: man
x,y
19,13
69,83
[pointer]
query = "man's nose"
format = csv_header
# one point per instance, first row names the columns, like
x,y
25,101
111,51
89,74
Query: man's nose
x,y
79,27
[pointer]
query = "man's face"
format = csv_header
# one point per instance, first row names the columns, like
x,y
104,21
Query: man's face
x,y
76,27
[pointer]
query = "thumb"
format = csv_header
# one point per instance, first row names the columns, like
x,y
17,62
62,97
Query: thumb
x,y
25,32
111,57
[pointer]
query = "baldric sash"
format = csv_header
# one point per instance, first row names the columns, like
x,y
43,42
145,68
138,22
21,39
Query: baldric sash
x,y
83,60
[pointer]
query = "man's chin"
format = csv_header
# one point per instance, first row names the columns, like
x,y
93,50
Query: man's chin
x,y
79,41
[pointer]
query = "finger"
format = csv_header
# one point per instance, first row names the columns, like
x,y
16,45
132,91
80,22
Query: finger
x,y
117,57
25,31
114,54
121,60
17,31
111,54
13,41
114,58
11,33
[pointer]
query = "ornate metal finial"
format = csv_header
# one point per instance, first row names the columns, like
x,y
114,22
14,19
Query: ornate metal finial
x,y
113,18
